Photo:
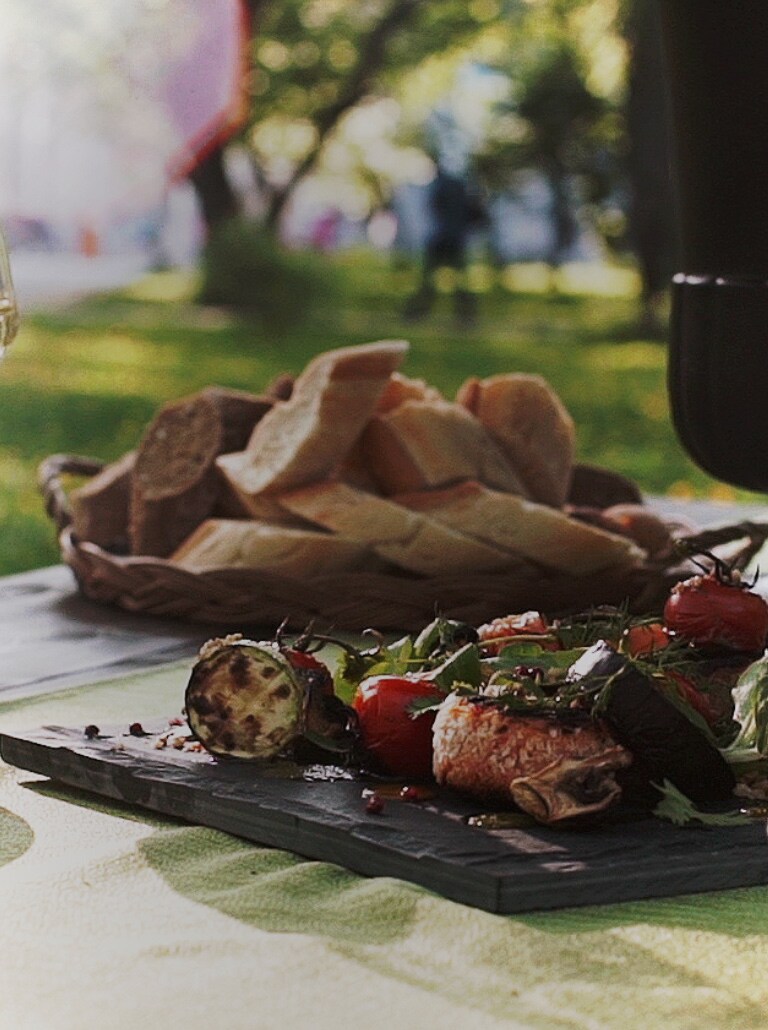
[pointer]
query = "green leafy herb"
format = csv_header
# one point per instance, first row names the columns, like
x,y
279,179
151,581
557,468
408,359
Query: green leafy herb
x,y
463,666
602,623
676,808
750,698
528,652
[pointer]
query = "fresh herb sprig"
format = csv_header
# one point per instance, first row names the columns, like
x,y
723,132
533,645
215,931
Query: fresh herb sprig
x,y
677,808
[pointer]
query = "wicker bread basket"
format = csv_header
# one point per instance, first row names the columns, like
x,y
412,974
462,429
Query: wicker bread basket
x,y
394,600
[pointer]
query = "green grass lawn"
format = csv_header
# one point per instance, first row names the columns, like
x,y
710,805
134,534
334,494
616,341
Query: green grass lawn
x,y
86,378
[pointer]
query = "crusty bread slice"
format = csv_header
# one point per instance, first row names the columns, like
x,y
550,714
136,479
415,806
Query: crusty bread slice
x,y
405,538
400,389
286,551
100,507
236,503
532,531
303,439
529,422
422,444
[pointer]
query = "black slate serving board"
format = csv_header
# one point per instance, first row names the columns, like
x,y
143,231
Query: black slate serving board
x,y
429,843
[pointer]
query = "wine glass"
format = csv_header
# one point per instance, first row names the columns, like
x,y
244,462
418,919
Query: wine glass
x,y
9,312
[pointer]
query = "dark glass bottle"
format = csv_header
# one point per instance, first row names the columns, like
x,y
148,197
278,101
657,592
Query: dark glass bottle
x,y
717,68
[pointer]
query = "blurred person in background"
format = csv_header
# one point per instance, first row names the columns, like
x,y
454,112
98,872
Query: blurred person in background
x,y
456,211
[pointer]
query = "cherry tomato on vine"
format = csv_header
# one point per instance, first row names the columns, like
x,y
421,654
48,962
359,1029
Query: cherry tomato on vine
x,y
400,742
717,609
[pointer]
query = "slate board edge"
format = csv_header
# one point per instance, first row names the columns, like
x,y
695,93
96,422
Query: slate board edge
x,y
494,893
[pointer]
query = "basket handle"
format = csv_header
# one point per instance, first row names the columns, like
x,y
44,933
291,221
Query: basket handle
x,y
50,474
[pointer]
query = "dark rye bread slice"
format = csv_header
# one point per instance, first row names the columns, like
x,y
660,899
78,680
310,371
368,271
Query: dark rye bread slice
x,y
100,507
175,484
239,411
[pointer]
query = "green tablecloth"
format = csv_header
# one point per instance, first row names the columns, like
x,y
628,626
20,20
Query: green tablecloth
x,y
111,917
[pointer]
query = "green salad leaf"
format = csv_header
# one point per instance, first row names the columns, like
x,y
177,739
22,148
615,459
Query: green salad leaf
x,y
750,698
676,808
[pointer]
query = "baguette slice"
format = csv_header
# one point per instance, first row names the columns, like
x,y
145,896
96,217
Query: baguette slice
x,y
529,422
285,551
531,531
422,444
407,539
402,388
303,439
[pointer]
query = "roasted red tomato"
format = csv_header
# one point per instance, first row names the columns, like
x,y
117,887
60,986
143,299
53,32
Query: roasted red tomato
x,y
312,672
400,743
717,609
496,635
645,639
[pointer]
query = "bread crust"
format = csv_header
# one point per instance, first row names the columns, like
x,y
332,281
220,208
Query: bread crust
x,y
422,444
529,422
304,439
405,538
100,508
283,550
531,531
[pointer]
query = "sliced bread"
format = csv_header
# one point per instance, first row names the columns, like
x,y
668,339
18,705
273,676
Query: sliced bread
x,y
239,412
100,507
402,388
175,483
531,531
282,550
422,444
303,439
405,538
529,422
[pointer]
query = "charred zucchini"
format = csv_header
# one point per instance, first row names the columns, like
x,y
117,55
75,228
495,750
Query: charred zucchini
x,y
244,700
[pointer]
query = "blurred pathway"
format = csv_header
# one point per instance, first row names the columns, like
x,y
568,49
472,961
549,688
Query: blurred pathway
x,y
45,280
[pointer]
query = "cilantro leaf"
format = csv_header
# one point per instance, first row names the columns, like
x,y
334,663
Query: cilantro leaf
x,y
676,808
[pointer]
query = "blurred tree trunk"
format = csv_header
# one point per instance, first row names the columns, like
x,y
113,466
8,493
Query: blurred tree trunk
x,y
372,57
218,200
652,221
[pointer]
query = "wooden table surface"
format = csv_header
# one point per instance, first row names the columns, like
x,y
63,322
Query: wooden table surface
x,y
52,637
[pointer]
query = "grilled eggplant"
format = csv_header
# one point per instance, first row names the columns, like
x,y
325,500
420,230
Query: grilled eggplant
x,y
664,743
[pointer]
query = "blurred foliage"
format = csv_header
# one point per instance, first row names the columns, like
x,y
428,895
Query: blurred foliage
x,y
318,62
245,268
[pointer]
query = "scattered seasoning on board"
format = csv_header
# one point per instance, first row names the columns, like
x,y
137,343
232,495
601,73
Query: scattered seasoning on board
x,y
411,793
374,805
91,731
